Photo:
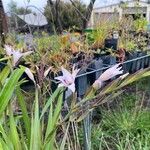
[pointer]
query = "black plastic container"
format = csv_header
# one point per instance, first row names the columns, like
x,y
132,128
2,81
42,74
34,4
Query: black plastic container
x,y
147,62
81,83
2,65
95,65
131,66
111,43
140,62
108,59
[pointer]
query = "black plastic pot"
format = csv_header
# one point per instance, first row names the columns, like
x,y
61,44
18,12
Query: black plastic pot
x,y
81,83
77,57
95,65
111,43
97,55
54,83
131,66
140,62
73,60
147,62
144,59
2,65
109,60
126,67
27,85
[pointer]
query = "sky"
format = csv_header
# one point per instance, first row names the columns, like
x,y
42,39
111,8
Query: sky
x,y
41,3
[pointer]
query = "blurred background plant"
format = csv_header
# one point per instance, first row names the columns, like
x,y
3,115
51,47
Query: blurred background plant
x,y
140,24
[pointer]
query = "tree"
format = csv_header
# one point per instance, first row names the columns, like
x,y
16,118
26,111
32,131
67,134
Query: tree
x,y
88,13
53,15
14,11
85,17
63,15
3,24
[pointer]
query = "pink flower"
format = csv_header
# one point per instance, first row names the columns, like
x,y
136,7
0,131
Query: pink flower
x,y
111,72
108,74
16,54
68,79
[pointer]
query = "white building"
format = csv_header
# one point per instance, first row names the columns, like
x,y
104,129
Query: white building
x,y
119,10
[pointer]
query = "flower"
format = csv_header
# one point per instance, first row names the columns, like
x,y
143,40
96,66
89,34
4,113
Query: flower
x,y
16,54
8,50
47,71
68,79
111,72
29,74
108,74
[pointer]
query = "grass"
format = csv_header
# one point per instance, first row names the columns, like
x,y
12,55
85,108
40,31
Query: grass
x,y
125,126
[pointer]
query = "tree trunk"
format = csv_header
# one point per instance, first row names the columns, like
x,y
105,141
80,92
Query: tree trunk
x,y
88,14
3,24
56,16
58,19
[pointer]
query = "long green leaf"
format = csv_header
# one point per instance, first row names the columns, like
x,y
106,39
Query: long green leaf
x,y
62,146
14,133
35,143
53,118
8,89
6,138
26,119
4,74
51,99
3,145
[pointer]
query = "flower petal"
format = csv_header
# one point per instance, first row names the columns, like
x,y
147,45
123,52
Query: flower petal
x,y
117,73
97,84
68,79
61,85
30,74
67,75
74,73
111,72
72,87
115,66
16,56
8,50
47,71
62,80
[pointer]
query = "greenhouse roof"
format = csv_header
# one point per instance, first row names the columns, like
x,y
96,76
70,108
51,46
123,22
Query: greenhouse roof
x,y
34,19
